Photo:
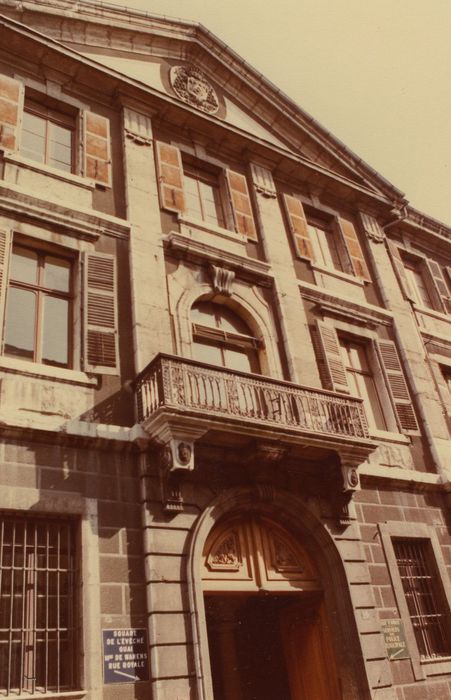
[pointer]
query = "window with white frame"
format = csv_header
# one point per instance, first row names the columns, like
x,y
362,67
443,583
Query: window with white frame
x,y
203,195
415,274
325,239
361,380
52,132
325,243
221,337
422,280
58,309
38,604
216,196
39,306
369,368
48,136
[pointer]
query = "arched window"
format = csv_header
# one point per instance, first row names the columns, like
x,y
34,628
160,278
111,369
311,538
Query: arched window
x,y
221,337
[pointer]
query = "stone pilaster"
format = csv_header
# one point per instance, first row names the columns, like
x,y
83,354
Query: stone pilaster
x,y
293,319
151,318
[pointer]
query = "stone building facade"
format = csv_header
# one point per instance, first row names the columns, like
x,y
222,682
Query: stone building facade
x,y
225,382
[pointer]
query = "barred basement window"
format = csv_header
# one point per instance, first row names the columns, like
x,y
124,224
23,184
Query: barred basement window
x,y
37,606
424,597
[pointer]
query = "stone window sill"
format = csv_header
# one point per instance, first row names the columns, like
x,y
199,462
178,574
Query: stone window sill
x,y
70,694
46,372
211,228
346,277
388,436
440,315
28,164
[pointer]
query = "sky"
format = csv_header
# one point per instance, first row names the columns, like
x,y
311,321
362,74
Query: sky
x,y
375,73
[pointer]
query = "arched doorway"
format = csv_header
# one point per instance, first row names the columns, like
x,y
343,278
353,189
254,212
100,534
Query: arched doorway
x,y
266,623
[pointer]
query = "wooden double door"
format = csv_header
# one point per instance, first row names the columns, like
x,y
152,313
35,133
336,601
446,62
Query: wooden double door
x,y
267,627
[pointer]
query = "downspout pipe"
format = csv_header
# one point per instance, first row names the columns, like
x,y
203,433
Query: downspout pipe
x,y
399,214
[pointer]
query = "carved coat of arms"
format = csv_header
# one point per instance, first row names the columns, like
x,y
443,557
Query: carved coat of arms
x,y
191,85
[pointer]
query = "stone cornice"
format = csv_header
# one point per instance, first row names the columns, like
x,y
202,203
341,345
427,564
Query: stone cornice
x,y
197,252
334,305
75,433
402,478
196,42
428,225
85,224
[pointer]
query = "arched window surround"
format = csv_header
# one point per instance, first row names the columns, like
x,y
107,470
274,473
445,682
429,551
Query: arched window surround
x,y
246,303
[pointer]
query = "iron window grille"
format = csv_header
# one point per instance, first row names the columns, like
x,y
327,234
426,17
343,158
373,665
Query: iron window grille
x,y
38,631
424,598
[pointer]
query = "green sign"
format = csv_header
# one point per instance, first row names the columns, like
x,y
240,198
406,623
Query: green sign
x,y
395,639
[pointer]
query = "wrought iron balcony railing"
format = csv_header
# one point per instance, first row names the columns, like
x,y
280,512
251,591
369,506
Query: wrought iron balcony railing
x,y
182,385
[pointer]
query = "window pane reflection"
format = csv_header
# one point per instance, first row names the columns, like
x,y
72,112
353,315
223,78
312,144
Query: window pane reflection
x,y
209,354
20,329
24,265
55,331
57,274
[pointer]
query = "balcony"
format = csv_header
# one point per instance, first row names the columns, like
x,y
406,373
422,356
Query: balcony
x,y
172,391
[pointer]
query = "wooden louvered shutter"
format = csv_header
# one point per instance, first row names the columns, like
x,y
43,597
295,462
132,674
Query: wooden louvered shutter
x,y
11,105
400,270
241,204
332,369
5,253
397,385
439,285
298,227
170,177
101,353
354,249
97,148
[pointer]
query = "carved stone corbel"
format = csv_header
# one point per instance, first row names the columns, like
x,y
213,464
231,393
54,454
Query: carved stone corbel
x,y
176,460
174,440
222,280
350,484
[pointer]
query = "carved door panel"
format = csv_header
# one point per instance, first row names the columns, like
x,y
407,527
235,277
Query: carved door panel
x,y
308,652
256,554
266,625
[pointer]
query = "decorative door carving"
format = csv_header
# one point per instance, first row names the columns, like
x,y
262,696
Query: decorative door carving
x,y
256,554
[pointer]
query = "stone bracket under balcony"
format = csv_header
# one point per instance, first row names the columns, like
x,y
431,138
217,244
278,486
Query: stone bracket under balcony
x,y
179,401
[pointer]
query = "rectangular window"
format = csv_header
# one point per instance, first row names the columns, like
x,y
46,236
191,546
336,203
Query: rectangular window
x,y
361,380
217,196
38,578
447,377
324,243
48,136
425,601
203,196
39,307
417,284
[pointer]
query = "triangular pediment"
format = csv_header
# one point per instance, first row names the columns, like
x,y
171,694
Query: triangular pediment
x,y
144,49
